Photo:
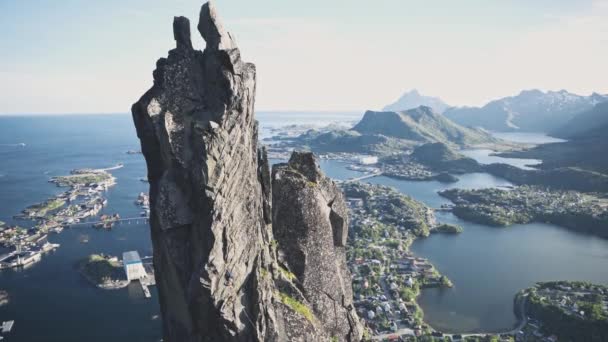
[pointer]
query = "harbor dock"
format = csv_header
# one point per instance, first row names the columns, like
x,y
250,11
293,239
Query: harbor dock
x,y
7,326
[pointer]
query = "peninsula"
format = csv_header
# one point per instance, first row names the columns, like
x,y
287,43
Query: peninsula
x,y
574,210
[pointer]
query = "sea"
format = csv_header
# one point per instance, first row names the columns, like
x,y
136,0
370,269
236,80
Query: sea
x,y
50,301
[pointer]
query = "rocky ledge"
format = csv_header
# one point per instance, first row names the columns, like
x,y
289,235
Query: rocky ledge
x,y
221,274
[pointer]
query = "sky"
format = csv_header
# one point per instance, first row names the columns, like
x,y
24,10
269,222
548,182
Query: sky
x,y
81,56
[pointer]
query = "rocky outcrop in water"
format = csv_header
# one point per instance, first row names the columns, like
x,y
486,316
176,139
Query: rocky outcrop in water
x,y
216,265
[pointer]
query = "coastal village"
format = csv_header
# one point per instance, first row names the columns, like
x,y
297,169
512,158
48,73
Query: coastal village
x,y
80,205
387,278
82,201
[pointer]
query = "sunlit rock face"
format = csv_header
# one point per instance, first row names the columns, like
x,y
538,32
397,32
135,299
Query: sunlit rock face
x,y
210,191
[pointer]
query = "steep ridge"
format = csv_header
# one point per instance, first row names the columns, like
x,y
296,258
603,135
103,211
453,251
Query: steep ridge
x,y
420,124
210,192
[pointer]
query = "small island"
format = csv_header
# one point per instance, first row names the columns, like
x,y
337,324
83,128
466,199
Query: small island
x,y
446,228
103,271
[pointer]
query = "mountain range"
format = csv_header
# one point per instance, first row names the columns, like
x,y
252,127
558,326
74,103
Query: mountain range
x,y
586,146
530,110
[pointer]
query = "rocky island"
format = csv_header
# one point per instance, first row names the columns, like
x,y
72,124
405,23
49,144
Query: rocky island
x,y
103,271
226,266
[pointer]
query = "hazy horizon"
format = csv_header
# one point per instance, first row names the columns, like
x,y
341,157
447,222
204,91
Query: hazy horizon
x,y
313,56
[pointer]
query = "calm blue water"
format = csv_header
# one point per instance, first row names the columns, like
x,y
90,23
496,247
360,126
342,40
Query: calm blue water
x,y
50,301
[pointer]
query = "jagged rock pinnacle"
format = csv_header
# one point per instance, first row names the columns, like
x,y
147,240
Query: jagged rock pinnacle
x,y
212,29
181,32
215,262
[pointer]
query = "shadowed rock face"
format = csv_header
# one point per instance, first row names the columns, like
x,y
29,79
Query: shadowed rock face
x,y
210,192
310,223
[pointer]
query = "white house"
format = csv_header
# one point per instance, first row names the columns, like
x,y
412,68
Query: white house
x,y
134,268
368,160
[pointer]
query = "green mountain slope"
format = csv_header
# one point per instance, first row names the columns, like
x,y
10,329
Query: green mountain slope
x,y
421,124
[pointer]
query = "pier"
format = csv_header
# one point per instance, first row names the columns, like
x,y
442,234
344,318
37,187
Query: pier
x,y
7,326
146,290
126,220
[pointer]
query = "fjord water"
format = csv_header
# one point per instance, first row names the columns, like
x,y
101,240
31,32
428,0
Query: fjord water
x,y
489,265
51,302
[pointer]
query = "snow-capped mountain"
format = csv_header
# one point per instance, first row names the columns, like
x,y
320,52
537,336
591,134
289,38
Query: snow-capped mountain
x,y
413,99
530,110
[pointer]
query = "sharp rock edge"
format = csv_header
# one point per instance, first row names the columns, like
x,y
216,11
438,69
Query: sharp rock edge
x,y
221,274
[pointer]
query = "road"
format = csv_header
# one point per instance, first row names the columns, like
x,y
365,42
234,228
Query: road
x,y
371,175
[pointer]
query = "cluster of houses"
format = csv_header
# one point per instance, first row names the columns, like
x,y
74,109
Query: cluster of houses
x,y
24,246
568,297
408,170
143,200
386,276
533,200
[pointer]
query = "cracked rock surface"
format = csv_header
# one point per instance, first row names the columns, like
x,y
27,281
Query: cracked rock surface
x,y
310,223
211,196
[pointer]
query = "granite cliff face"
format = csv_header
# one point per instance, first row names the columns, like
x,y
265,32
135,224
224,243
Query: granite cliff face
x,y
215,259
310,223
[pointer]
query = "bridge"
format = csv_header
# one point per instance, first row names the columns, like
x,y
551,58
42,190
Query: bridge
x,y
126,220
371,175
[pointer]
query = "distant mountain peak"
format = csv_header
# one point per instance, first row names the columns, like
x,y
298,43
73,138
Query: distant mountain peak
x,y
413,99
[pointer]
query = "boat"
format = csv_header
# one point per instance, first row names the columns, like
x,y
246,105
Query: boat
x,y
7,326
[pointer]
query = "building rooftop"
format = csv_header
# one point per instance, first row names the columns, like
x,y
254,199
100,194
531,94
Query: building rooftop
x,y
131,257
